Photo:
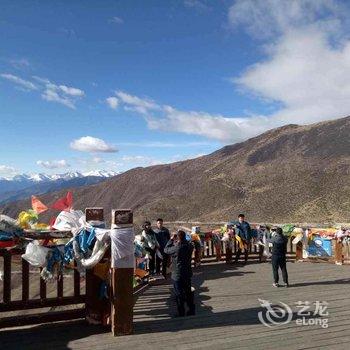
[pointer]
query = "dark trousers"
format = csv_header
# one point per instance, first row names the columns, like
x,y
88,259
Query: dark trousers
x,y
279,262
261,253
239,252
183,294
151,264
162,263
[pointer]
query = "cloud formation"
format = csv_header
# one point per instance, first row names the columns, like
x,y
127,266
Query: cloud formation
x,y
112,102
157,144
53,164
116,20
19,81
305,70
270,18
20,63
63,94
196,4
7,171
92,145
307,64
137,104
213,126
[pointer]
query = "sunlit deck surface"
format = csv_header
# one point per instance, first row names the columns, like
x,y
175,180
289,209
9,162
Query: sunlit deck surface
x,y
227,314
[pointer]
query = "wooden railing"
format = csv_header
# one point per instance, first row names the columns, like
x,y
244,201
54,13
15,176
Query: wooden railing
x,y
7,304
209,250
76,302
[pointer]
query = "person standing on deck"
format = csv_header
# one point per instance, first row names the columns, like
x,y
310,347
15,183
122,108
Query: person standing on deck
x,y
244,233
151,244
163,236
180,249
279,251
262,238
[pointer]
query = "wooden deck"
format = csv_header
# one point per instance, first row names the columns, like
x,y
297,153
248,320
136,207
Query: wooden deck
x,y
227,314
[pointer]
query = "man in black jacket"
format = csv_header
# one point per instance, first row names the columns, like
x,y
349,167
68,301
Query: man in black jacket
x,y
279,251
181,252
163,236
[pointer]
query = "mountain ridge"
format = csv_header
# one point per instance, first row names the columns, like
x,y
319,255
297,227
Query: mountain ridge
x,y
288,174
24,185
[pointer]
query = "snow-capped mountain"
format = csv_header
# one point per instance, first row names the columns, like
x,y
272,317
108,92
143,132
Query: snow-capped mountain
x,y
39,177
28,177
23,185
101,173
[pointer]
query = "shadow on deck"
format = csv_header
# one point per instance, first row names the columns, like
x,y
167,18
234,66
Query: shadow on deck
x,y
227,305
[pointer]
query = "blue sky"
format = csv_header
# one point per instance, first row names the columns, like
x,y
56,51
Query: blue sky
x,y
112,85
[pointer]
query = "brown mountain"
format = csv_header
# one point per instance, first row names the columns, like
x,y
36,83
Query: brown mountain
x,y
289,174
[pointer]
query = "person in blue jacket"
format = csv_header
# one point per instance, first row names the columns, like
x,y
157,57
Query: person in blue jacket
x,y
244,231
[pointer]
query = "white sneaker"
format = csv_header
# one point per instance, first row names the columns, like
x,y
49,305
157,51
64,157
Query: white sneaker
x,y
276,285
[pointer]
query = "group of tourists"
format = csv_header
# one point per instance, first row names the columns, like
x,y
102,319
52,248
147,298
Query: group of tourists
x,y
177,250
163,248
264,238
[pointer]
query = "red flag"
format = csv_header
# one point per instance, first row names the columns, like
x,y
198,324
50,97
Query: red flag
x,y
64,203
52,222
38,206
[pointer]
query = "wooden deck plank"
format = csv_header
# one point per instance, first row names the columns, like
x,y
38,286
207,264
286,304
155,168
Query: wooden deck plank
x,y
227,308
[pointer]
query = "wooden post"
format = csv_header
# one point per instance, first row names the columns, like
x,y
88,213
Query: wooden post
x,y
25,280
94,214
7,277
122,275
228,253
197,253
93,305
338,254
299,251
228,244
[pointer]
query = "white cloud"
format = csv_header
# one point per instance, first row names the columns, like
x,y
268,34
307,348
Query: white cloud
x,y
166,144
72,91
141,160
217,127
112,102
7,171
19,81
305,71
196,4
53,164
307,68
181,157
63,94
52,96
134,103
268,18
92,145
134,158
41,80
69,32
98,160
20,63
95,162
116,20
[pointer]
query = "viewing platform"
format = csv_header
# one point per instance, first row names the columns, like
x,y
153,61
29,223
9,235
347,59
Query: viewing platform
x,y
227,302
